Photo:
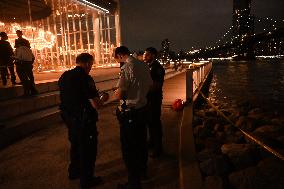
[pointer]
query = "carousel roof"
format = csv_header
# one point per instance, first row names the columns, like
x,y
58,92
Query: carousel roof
x,y
18,10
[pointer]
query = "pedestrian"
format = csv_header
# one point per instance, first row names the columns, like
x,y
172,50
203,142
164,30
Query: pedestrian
x,y
6,60
133,85
155,97
79,103
24,67
21,41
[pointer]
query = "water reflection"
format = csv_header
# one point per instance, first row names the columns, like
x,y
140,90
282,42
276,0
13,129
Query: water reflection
x,y
260,82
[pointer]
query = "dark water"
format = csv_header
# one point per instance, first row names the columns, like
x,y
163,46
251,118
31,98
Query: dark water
x,y
259,82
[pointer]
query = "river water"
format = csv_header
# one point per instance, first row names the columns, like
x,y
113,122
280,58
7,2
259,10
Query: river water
x,y
261,83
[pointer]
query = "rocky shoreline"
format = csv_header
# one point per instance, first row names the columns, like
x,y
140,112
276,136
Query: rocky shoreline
x,y
230,160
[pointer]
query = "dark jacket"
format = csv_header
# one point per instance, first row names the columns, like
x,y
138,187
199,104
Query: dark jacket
x,y
157,72
6,53
76,88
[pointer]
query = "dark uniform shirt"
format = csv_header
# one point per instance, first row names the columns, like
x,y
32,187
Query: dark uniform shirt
x,y
76,88
6,53
157,74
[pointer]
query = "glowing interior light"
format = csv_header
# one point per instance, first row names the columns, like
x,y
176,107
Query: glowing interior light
x,y
38,38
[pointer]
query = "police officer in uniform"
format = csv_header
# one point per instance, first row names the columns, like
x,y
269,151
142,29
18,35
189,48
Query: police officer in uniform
x,y
155,97
133,86
79,103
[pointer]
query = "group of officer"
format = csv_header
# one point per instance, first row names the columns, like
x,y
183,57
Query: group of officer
x,y
139,90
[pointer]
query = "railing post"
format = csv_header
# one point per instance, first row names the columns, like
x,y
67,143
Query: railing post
x,y
190,176
189,85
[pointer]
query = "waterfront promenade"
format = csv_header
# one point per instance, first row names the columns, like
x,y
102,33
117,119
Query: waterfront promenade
x,y
41,160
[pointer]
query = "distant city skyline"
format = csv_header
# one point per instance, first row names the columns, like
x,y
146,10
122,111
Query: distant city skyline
x,y
195,23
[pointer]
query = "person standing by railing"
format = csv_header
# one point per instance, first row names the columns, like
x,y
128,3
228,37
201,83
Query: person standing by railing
x,y
133,85
154,98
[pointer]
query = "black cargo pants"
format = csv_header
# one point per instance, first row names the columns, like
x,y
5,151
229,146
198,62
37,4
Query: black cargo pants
x,y
83,151
133,137
154,123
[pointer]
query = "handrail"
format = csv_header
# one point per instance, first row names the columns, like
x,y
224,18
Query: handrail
x,y
197,73
190,176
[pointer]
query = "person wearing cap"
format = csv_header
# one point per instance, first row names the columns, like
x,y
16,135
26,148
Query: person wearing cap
x,y
79,103
155,97
132,89
6,59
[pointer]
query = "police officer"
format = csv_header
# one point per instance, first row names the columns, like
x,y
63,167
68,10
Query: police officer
x,y
155,97
133,86
79,103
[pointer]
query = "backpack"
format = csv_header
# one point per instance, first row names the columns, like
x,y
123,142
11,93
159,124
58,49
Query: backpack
x,y
24,54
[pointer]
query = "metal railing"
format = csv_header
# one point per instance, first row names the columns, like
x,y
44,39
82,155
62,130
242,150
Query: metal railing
x,y
196,75
190,176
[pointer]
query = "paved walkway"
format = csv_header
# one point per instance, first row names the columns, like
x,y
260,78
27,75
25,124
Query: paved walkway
x,y
40,161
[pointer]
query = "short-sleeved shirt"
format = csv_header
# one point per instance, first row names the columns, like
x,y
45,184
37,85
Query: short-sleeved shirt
x,y
76,88
135,80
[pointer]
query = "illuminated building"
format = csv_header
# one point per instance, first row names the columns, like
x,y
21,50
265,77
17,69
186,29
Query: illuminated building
x,y
73,27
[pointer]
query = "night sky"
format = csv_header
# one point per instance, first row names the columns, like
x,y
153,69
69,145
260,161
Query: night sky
x,y
186,23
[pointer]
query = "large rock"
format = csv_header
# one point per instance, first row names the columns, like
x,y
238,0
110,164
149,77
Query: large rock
x,y
276,121
246,179
241,155
270,129
217,165
268,174
230,129
206,154
211,113
235,138
197,129
213,182
210,123
200,113
197,120
247,123
269,135
220,136
212,143
203,132
218,127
